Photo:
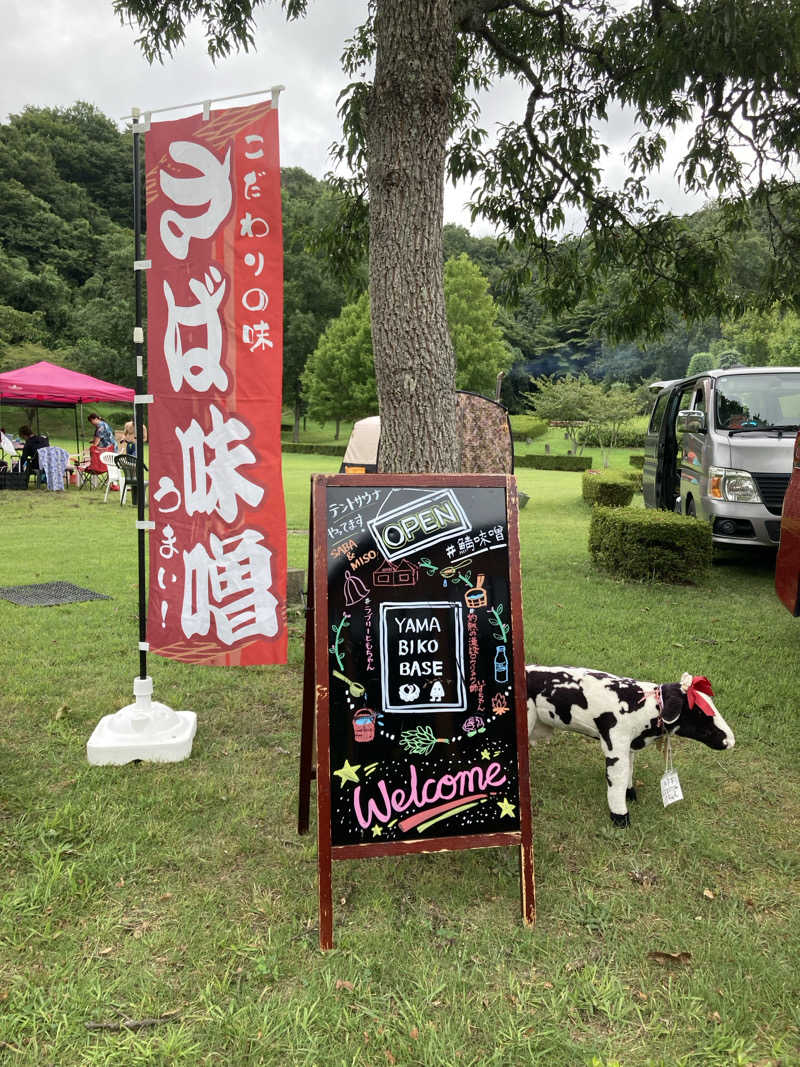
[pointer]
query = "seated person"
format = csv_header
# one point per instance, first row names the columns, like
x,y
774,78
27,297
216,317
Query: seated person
x,y
32,442
129,439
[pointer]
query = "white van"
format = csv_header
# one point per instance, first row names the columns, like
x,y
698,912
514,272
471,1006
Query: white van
x,y
719,446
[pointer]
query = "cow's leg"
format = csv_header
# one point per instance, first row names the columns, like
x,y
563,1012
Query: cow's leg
x,y
630,792
617,773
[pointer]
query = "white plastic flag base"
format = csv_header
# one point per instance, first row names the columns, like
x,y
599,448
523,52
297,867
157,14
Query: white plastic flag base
x,y
144,730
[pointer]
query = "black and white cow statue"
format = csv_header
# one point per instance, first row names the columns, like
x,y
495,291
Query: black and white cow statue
x,y
623,715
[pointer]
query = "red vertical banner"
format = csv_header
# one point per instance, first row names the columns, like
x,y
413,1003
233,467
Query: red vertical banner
x,y
217,590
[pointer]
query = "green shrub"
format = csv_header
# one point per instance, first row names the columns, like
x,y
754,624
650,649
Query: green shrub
x,y
636,460
635,478
629,435
644,545
609,488
554,463
117,418
527,427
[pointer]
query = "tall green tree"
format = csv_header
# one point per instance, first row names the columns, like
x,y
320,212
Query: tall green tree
x,y
313,293
729,69
480,351
339,378
701,361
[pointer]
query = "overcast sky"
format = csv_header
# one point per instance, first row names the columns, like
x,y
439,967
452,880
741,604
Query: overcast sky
x,y
55,52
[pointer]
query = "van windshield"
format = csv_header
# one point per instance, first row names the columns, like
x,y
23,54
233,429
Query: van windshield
x,y
747,402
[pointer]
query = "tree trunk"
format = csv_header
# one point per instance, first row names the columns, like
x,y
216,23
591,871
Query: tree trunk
x,y
338,427
296,427
407,124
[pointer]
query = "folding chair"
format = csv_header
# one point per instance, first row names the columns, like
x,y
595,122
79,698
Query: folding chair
x,y
115,477
91,474
127,465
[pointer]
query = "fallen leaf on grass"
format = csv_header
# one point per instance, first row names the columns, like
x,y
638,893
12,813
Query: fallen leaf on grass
x,y
715,1017
390,1057
669,957
105,951
414,1033
639,994
708,894
341,984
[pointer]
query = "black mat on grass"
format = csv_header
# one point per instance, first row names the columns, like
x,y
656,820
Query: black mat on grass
x,y
48,594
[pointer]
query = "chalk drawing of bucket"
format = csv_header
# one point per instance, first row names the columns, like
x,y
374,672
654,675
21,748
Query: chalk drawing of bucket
x,y
364,724
476,597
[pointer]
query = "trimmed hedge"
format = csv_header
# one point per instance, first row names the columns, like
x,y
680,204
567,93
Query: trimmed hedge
x,y
644,545
609,488
637,460
527,427
554,463
635,478
321,450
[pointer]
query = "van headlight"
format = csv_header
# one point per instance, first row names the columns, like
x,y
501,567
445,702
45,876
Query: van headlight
x,y
727,484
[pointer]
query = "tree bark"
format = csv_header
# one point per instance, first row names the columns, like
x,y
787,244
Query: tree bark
x,y
407,126
296,427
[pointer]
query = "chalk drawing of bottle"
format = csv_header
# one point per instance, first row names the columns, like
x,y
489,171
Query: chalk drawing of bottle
x,y
500,665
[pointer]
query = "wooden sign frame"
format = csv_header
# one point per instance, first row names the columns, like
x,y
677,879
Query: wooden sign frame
x,y
317,702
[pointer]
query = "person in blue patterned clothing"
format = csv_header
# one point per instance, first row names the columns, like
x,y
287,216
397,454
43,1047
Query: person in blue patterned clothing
x,y
104,434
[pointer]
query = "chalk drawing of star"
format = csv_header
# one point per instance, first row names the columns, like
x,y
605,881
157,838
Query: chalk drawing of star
x,y
347,773
377,831
506,808
485,753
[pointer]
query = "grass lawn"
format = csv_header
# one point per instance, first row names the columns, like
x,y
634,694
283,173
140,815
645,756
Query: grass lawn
x,y
182,894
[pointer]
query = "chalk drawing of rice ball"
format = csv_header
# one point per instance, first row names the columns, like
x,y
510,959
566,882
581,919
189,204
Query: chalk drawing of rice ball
x,y
473,725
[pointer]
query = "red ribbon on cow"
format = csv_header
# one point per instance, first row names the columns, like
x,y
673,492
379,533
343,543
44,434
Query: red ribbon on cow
x,y
698,692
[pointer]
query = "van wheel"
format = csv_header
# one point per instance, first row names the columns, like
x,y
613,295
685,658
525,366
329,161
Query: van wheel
x,y
691,510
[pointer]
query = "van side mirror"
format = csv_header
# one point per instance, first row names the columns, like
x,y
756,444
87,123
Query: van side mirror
x,y
691,422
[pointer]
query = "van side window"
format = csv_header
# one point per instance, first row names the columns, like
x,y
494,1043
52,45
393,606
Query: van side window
x,y
658,413
687,398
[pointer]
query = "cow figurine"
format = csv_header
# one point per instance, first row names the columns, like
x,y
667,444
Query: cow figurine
x,y
624,716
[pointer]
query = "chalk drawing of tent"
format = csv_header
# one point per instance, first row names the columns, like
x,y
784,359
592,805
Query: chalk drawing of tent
x,y
396,574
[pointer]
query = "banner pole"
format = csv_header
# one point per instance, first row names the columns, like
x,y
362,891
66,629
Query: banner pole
x,y
138,334
145,729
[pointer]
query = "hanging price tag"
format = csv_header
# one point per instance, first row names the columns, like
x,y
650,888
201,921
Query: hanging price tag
x,y
670,788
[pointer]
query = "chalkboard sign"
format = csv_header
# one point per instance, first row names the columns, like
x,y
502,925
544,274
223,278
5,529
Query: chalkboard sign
x,y
419,670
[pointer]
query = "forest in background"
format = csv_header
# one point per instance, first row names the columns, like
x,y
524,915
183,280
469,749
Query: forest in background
x,y
66,277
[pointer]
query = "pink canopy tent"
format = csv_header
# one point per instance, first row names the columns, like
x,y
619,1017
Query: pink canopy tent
x,y
44,384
